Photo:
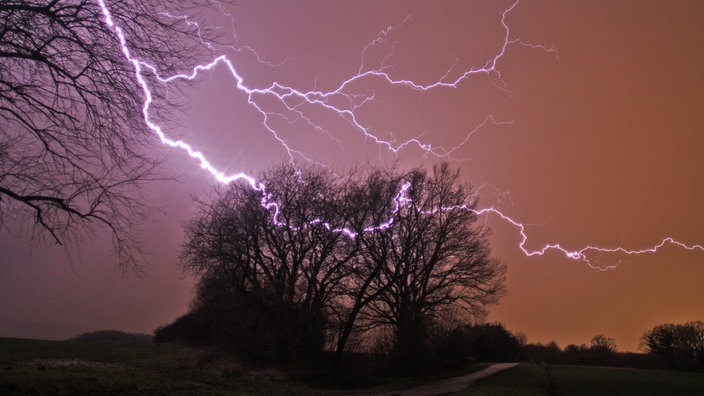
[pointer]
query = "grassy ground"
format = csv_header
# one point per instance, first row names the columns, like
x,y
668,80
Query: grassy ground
x,y
35,367
527,379
81,368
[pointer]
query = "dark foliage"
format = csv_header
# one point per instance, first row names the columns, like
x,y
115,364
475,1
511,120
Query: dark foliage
x,y
681,345
189,329
595,355
538,353
478,343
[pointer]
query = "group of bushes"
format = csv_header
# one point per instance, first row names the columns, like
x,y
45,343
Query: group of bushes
x,y
440,349
478,343
249,334
234,324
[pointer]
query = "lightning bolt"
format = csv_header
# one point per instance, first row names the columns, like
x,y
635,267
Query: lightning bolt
x,y
293,100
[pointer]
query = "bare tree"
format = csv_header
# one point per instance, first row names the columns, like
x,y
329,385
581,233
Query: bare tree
x,y
425,257
72,136
436,259
372,200
350,253
282,250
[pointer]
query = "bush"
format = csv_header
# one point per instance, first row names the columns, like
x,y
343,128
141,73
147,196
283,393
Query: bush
x,y
480,343
544,354
189,329
262,335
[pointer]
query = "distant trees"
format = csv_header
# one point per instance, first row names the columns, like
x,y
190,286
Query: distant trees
x,y
681,345
113,336
602,342
321,256
602,351
72,137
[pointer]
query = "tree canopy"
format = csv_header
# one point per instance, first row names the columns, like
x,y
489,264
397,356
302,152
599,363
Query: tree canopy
x,y
681,345
319,258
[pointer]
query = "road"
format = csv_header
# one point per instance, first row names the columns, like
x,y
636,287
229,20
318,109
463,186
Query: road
x,y
451,385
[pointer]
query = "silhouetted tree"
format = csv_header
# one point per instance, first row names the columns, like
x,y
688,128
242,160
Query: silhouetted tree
x,y
434,259
72,137
280,252
318,257
372,200
682,345
602,350
603,342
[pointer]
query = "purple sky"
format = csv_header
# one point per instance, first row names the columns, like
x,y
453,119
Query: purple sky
x,y
604,148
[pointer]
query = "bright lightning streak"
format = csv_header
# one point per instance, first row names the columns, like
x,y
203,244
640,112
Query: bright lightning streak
x,y
292,99
580,254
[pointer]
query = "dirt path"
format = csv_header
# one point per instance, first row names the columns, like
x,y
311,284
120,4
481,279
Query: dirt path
x,y
451,385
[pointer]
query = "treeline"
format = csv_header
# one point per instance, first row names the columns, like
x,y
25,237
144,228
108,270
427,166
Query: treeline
x,y
320,264
667,346
588,355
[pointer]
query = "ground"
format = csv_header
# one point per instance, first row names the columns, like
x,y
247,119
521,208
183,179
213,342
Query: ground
x,y
87,368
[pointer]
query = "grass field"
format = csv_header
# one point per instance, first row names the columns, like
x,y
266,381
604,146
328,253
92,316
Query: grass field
x,y
528,379
37,367
34,367
30,367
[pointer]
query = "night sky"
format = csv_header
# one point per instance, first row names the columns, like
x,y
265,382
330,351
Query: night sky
x,y
597,141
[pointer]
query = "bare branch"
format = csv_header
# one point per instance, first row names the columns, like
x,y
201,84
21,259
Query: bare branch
x,y
73,144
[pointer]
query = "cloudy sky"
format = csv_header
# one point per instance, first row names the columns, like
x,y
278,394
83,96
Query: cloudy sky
x,y
589,131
